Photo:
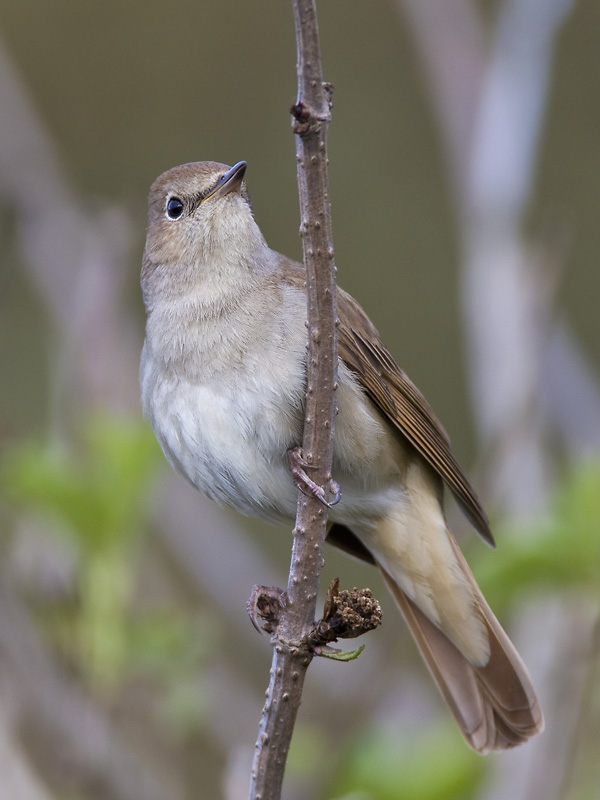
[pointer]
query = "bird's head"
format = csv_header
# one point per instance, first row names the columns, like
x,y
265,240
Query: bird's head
x,y
200,226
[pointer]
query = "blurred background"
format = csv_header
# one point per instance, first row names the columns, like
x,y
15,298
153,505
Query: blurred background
x,y
465,186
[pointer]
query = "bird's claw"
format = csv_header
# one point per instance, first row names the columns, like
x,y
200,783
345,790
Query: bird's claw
x,y
298,467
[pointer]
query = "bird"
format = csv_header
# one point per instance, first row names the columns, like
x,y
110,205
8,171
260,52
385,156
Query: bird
x,y
223,384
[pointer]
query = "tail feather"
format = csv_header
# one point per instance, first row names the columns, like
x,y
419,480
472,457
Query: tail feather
x,y
495,705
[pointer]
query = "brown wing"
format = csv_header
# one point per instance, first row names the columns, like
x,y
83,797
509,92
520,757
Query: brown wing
x,y
392,391
398,398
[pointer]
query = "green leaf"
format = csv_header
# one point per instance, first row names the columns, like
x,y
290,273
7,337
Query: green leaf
x,y
350,655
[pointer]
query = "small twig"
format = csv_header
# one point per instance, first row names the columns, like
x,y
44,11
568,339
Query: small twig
x,y
292,652
346,615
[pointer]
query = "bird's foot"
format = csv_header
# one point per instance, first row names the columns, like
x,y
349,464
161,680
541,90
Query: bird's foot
x,y
298,467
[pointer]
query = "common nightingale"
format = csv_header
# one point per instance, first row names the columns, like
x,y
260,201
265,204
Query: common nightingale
x,y
223,377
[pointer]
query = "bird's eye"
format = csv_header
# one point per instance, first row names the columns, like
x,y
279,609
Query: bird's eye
x,y
174,208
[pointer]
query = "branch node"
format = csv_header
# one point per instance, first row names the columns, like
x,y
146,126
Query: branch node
x,y
306,119
346,615
266,603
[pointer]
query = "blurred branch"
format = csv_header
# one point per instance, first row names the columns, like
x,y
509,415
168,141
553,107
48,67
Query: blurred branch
x,y
19,781
507,304
450,42
490,106
75,733
581,733
75,259
570,391
528,376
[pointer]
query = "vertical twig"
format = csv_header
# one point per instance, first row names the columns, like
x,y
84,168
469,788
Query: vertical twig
x,y
291,655
311,116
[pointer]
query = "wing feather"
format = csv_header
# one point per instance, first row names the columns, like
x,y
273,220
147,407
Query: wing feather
x,y
392,391
396,396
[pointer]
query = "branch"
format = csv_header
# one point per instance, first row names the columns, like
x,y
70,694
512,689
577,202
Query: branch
x,y
346,615
311,116
294,611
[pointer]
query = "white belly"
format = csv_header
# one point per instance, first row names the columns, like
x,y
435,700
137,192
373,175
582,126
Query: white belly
x,y
231,439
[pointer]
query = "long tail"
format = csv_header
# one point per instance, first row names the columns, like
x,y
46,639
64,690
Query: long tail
x,y
494,705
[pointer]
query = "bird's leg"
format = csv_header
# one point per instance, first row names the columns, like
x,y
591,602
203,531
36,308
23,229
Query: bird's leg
x,y
298,467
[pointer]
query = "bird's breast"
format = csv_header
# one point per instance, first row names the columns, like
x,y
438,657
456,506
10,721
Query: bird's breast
x,y
228,408
228,403
230,439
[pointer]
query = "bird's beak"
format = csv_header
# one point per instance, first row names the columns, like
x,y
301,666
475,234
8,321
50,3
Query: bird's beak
x,y
230,182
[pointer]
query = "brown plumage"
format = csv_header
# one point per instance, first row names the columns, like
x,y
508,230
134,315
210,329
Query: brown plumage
x,y
390,388
495,705
223,383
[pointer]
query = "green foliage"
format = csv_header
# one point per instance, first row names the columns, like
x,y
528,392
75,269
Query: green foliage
x,y
307,749
433,764
168,646
94,495
560,551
